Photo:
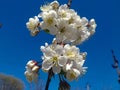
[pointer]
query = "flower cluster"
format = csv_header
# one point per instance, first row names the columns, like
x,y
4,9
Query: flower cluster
x,y
62,22
65,59
62,57
31,72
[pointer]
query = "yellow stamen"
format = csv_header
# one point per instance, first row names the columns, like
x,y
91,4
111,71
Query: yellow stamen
x,y
49,21
70,54
55,59
72,76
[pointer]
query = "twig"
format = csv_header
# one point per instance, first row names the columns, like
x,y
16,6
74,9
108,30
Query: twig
x,y
115,65
0,25
69,3
50,75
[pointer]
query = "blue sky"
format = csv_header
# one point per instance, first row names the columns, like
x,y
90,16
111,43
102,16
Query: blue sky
x,y
17,46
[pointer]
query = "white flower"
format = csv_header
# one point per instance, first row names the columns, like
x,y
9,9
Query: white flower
x,y
54,4
84,31
51,6
64,57
66,13
73,53
30,76
62,30
71,33
31,72
92,26
35,69
33,25
49,21
45,8
72,74
53,58
74,70
31,63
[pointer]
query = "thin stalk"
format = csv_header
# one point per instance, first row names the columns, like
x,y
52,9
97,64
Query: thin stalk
x,y
50,74
69,3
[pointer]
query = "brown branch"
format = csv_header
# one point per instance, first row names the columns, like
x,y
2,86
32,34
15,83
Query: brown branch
x,y
1,25
115,65
69,3
50,75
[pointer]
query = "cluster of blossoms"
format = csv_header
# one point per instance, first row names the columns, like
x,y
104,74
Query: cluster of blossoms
x,y
62,57
31,72
62,22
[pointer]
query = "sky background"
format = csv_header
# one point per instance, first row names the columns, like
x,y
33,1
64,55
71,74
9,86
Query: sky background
x,y
17,46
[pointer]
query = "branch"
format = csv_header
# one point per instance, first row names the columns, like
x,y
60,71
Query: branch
x,y
50,75
115,65
1,25
69,3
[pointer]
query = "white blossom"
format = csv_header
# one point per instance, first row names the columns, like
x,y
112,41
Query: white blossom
x,y
65,23
74,70
92,26
72,74
53,58
54,4
73,53
31,72
50,6
49,21
69,29
33,25
63,57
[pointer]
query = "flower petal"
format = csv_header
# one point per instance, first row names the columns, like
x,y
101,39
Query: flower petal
x,y
69,65
56,69
62,61
46,65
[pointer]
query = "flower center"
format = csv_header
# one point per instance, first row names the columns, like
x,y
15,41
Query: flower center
x,y
49,21
55,59
72,76
70,54
62,30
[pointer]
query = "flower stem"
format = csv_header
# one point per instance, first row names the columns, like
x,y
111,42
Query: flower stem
x,y
69,3
50,74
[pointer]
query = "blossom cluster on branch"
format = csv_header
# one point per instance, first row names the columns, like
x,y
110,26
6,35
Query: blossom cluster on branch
x,y
62,57
62,22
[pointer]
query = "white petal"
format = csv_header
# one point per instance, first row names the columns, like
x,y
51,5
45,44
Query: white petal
x,y
53,30
83,70
62,60
84,21
35,77
69,66
35,69
77,72
59,49
42,48
70,76
59,38
81,63
31,63
46,65
92,22
56,69
35,32
55,4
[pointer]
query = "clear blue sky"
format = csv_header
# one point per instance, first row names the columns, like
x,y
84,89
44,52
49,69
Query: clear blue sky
x,y
17,46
